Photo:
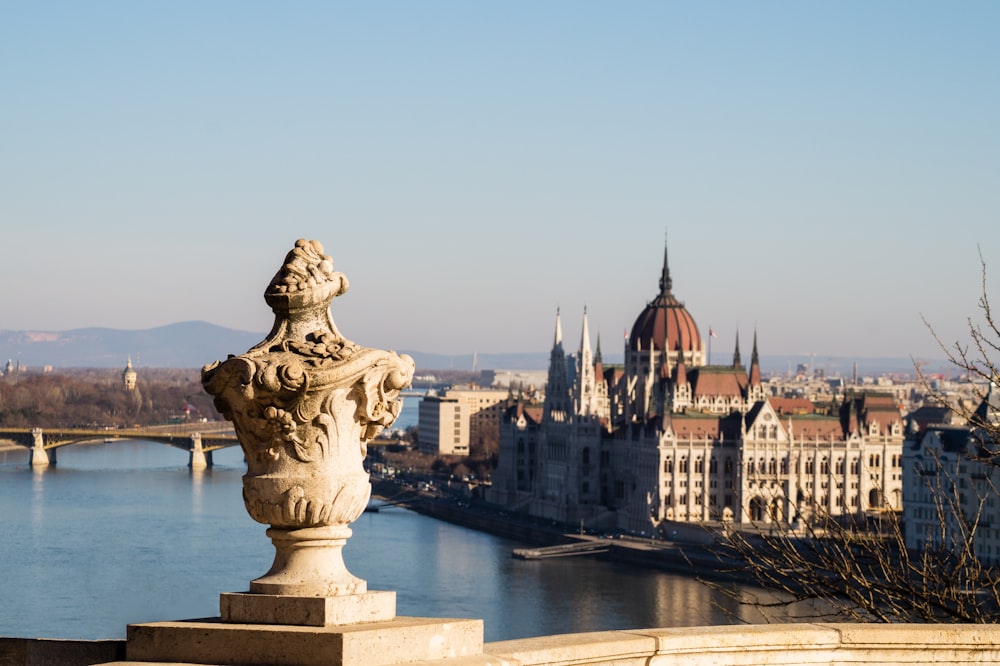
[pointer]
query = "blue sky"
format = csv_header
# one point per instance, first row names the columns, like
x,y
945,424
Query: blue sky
x,y
826,172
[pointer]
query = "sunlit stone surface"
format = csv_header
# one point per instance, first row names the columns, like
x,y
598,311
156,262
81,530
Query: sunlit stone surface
x,y
304,403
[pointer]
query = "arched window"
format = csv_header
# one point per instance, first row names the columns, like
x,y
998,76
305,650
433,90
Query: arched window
x,y
684,465
698,466
713,465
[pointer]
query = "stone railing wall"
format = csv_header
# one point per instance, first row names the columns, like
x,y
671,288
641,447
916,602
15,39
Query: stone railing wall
x,y
828,644
786,644
55,652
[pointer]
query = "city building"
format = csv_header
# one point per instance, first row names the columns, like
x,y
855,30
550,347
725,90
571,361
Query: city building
x,y
666,437
450,424
951,476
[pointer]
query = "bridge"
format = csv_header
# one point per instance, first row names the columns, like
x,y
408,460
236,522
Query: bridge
x,y
198,439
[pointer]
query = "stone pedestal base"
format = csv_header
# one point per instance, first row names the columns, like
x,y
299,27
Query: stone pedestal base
x,y
245,608
397,641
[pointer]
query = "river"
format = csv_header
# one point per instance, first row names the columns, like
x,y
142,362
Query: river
x,y
123,532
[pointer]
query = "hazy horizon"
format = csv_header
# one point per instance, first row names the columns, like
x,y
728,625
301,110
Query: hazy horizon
x,y
192,345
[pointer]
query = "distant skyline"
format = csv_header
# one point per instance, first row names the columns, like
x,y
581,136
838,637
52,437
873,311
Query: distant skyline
x,y
826,173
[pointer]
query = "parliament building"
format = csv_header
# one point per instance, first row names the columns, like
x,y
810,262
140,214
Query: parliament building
x,y
667,438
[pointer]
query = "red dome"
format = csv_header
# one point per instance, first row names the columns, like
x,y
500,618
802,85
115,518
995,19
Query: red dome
x,y
665,318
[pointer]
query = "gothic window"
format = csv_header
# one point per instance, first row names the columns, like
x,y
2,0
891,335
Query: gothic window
x,y
729,465
698,465
825,466
668,466
784,465
809,466
713,465
684,465
772,466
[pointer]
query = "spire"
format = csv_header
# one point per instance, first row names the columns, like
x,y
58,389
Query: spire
x,y
681,370
666,284
557,392
754,363
665,354
585,335
598,364
736,353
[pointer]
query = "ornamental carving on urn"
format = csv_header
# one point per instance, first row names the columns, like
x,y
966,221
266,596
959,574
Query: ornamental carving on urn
x,y
304,403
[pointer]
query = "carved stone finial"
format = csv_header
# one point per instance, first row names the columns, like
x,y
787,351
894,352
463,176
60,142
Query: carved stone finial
x,y
304,403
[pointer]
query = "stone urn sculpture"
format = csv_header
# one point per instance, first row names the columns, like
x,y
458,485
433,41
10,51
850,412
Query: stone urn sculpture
x,y
304,403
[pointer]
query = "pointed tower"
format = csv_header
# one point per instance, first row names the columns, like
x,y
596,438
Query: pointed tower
x,y
737,362
584,380
602,399
598,363
557,389
755,389
849,420
681,386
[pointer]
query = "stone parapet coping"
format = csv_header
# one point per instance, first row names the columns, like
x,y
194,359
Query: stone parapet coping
x,y
775,644
785,644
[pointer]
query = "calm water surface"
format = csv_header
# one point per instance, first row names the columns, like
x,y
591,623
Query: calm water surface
x,y
124,532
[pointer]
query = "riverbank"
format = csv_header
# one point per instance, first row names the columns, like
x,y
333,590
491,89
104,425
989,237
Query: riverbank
x,y
687,558
8,445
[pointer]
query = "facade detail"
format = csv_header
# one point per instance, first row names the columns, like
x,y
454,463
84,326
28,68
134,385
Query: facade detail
x,y
304,404
666,437
951,479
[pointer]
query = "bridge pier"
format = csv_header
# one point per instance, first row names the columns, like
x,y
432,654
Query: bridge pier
x,y
39,456
198,458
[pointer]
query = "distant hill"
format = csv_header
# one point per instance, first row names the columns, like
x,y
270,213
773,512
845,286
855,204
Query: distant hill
x,y
192,344
189,344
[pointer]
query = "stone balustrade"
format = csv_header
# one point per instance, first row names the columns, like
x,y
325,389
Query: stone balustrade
x,y
801,644
786,644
